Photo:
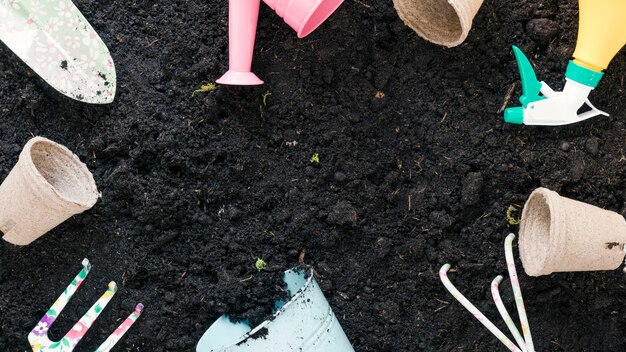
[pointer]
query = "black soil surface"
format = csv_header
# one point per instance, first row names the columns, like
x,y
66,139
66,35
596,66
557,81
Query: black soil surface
x,y
416,169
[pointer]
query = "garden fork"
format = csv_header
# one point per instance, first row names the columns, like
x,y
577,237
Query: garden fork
x,y
525,342
39,340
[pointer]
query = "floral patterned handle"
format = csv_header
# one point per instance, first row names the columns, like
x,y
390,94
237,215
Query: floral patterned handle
x,y
121,330
38,337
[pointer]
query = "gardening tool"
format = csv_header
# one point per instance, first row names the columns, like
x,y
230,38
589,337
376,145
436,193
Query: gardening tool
x,y
39,340
525,342
443,22
558,234
601,34
304,16
48,185
57,42
305,323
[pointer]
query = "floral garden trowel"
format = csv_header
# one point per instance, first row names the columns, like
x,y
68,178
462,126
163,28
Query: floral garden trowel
x,y
57,42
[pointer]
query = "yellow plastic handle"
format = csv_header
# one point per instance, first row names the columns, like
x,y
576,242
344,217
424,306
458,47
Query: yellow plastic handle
x,y
601,32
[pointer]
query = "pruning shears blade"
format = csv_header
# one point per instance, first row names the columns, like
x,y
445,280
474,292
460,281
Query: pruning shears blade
x,y
531,87
56,41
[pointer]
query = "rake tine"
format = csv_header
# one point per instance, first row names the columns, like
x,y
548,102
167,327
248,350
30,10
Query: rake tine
x,y
38,337
517,292
121,330
495,293
84,324
443,275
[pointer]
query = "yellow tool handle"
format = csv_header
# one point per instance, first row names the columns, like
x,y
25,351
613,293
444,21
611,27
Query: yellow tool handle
x,y
601,32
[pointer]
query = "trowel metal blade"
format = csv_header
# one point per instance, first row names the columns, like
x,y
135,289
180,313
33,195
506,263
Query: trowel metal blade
x,y
57,42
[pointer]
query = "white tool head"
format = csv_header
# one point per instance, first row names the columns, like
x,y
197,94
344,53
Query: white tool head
x,y
57,42
543,106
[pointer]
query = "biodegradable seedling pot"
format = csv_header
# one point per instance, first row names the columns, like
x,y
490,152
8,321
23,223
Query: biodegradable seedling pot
x,y
305,323
304,16
48,185
558,234
443,22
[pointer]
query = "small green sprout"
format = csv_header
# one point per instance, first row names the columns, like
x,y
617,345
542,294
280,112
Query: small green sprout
x,y
315,159
509,215
205,88
260,264
265,95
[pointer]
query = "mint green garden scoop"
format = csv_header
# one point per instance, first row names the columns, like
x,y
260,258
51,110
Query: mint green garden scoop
x,y
55,40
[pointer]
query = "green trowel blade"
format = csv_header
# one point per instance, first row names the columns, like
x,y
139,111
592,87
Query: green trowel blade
x,y
57,42
530,85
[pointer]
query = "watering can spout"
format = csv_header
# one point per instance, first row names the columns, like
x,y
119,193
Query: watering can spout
x,y
304,16
242,20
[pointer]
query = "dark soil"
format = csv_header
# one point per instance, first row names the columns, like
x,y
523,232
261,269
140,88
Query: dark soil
x,y
416,169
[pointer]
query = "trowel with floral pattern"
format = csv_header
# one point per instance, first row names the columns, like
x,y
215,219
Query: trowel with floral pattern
x,y
57,42
39,340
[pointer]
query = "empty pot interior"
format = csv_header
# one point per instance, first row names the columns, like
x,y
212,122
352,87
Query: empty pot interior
x,y
70,178
435,19
319,14
535,233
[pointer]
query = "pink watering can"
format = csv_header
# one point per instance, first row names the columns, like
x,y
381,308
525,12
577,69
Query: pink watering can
x,y
304,16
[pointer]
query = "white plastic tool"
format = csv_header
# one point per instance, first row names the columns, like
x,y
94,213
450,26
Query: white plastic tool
x,y
524,340
561,108
541,105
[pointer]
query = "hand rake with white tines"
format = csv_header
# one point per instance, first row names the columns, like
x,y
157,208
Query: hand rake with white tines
x,y
39,340
525,343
